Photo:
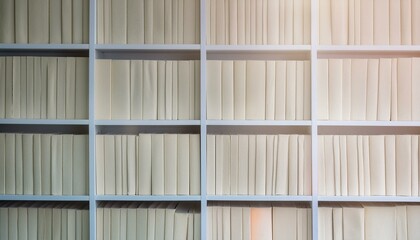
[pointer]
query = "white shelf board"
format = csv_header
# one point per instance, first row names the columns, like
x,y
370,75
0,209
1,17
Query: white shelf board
x,y
146,198
370,123
256,123
47,47
151,47
368,48
43,122
147,122
261,198
259,48
368,199
43,198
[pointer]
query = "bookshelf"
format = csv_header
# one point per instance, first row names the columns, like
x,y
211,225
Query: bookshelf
x,y
203,51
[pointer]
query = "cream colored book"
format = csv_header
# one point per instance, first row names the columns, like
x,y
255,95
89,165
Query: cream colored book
x,y
255,90
394,89
3,86
175,16
288,22
7,29
339,22
70,88
181,220
401,222
337,216
273,25
55,23
194,164
135,31
403,164
149,90
28,164
404,89
136,89
260,164
110,175
161,87
210,229
56,222
37,165
160,221
220,22
323,90
406,21
195,90
18,164
307,90
13,222
3,163
282,170
239,83
354,223
343,165
372,90
100,31
145,164
38,25
23,86
337,164
298,16
80,164
56,163
183,89
44,88
415,33
293,165
21,21
82,88
346,87
390,165
301,164
77,21
235,222
118,165
280,101
85,31
381,22
16,87
190,21
100,164
131,164
258,22
168,90
168,21
243,164
103,89
415,86
170,154
29,90
252,141
9,88
148,22
357,22
271,90
226,231
120,89
413,220
115,222
67,163
214,90
291,90
228,90
335,88
180,21
225,167
211,164
384,90
395,22
4,218
325,22
358,89
241,30
285,222
380,222
360,163
169,221
159,22
329,166
142,220
366,165
269,165
183,150
366,22
261,223
67,22
377,162
158,164
414,165
46,164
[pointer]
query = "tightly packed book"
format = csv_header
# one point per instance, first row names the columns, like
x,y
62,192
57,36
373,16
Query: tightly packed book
x,y
148,221
360,22
44,21
259,165
258,221
374,165
148,164
369,221
258,90
44,164
36,220
44,87
148,21
369,89
255,22
149,90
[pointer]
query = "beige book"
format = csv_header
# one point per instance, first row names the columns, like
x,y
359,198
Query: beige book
x,y
23,86
270,90
261,223
406,21
211,164
404,89
77,21
225,167
168,21
339,22
21,21
282,171
394,89
158,164
253,22
357,22
260,164
307,177
381,24
366,22
100,31
184,93
335,89
403,164
415,86
390,165
343,165
13,223
55,24
85,33
280,109
380,222
190,21
401,222
395,22
293,165
170,221
361,166
337,215
239,89
136,89
211,32
228,90
414,165
52,88
307,88
325,22
161,87
258,22
282,20
291,80
273,25
252,141
195,90
67,23
175,25
354,223
367,165
44,88
142,220
145,164
235,222
210,219
82,88
168,90
323,90
413,220
337,164
103,89
243,164
16,87
110,175
80,164
288,24
100,164
214,90
285,222
171,145
241,30
56,222
28,164
149,90
220,22
160,221
4,219
3,86
158,28
70,88
183,184
358,89
107,221
38,25
115,222
181,220
9,89
415,20
377,162
3,163
37,166
298,16
131,164
329,166
56,163
226,231
194,164
7,29
384,90
120,89
135,31
255,90
46,164
118,165
269,164
30,91
148,22
174,90
372,90
18,164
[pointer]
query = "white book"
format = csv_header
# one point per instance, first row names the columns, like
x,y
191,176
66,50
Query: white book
x,y
337,215
160,221
239,89
343,165
366,22
195,86
60,91
280,109
403,164
390,165
77,21
22,223
16,87
119,22
181,220
269,165
285,220
366,165
131,222
131,164
255,90
298,21
107,222
85,23
361,166
394,89
413,220
380,222
358,89
271,90
174,90
56,164
100,164
119,165
211,164
225,164
329,166
183,90
352,166
23,86
291,90
168,21
136,89
142,223
38,25
273,25
241,24
406,20
259,32
171,164
404,89
100,31
293,165
82,88
3,163
377,161
110,176
183,150
307,88
180,21
228,90
3,87
135,31
220,22
37,165
174,20
107,22
7,30
381,22
70,88
243,164
54,22
115,222
415,86
161,87
232,20
353,220
145,164
339,22
46,164
261,223
190,21
335,88
9,88
52,88
401,222
301,164
288,23
56,223
252,142
18,165
325,22
282,171
415,16
32,222
159,22
260,164
214,90
337,164
194,164
357,22
99,223
44,87
168,89
246,223
148,22
321,166
120,87
395,22
414,165
169,221
80,164
234,164
372,90
158,164
13,223
123,224
149,90
29,88
4,219
384,90
323,89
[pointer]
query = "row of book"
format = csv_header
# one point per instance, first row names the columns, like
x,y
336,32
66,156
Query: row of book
x,y
44,87
30,220
148,164
259,165
150,90
379,22
259,221
258,90
148,21
368,165
43,164
273,22
369,89
148,221
44,21
369,221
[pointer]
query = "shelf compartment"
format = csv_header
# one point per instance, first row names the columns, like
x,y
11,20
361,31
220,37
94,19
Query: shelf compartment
x,y
367,51
259,198
44,198
258,127
172,198
258,52
45,127
367,129
69,50
146,126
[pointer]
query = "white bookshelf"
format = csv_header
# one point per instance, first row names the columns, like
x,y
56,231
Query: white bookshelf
x,y
204,52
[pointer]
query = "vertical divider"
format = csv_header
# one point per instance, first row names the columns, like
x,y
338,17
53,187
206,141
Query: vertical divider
x,y
92,127
314,116
203,118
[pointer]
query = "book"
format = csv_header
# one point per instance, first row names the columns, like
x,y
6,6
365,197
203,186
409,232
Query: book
x,y
46,164
161,87
377,162
339,22
158,164
323,89
415,19
260,164
239,89
288,22
37,165
194,164
298,21
145,164
9,88
358,89
352,166
414,165
56,164
384,90
285,220
80,164
415,85
282,170
353,222
225,164
70,88
149,90
183,166
329,166
412,222
38,21
19,164
372,90
395,22
214,90
228,90
82,88
381,22
183,90
16,87
337,215
380,222
7,29
325,22
401,222
390,165
120,87
255,90
211,164
168,90
235,222
337,164
271,90
109,165
404,89
343,165
406,19
291,89
261,223
243,164
135,31
335,89
100,164
269,164
366,22
252,141
403,164
3,163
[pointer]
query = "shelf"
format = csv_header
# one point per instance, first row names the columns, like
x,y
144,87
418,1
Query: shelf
x,y
147,198
59,50
368,199
147,122
257,123
43,122
147,126
371,123
368,51
258,127
261,198
43,198
258,52
368,128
